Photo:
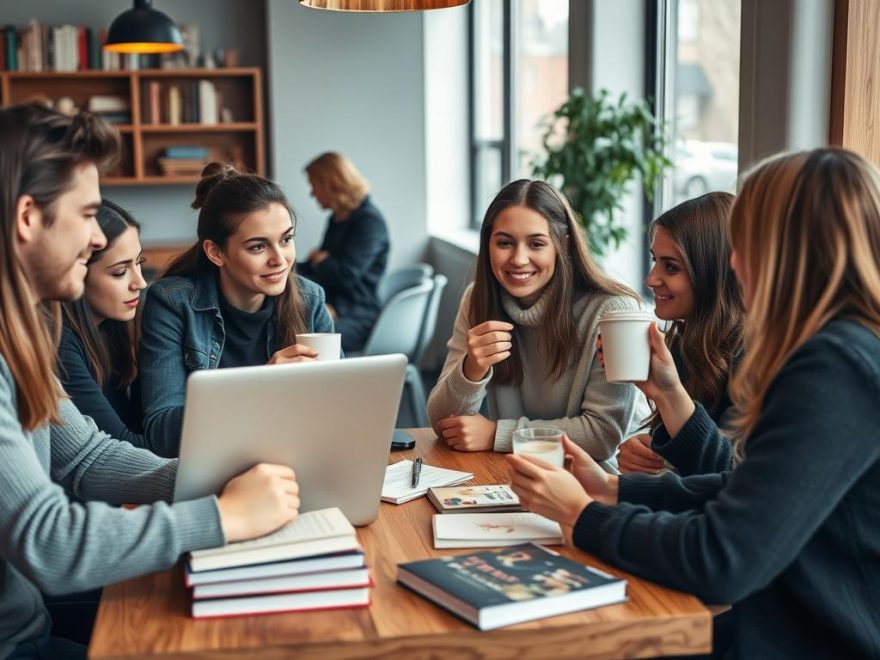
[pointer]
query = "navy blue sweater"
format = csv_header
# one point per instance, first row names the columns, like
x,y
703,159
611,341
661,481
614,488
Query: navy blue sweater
x,y
115,408
791,536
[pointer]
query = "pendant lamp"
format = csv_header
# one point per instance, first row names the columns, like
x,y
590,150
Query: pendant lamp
x,y
382,5
143,30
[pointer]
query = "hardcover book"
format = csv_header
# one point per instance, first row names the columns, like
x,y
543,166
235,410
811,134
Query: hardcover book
x,y
491,530
502,587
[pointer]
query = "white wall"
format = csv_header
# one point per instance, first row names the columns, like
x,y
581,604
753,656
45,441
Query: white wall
x,y
163,210
617,32
352,83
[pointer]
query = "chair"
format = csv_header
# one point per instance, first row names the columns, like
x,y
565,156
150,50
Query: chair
x,y
406,325
402,278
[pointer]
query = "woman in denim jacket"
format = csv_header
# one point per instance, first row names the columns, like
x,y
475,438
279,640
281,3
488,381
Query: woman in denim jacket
x,y
231,300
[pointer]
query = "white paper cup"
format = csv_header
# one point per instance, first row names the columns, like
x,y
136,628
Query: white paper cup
x,y
545,444
626,345
328,344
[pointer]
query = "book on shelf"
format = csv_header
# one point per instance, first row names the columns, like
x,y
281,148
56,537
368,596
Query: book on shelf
x,y
489,498
485,530
297,602
312,533
397,487
319,564
502,587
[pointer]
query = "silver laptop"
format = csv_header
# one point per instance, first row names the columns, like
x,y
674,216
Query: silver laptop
x,y
331,422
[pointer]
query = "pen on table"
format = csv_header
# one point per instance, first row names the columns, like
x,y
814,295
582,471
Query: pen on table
x,y
416,471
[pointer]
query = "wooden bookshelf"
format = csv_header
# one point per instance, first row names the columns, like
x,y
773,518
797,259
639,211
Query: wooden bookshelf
x,y
240,141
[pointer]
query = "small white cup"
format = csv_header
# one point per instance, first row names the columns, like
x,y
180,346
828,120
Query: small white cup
x,y
626,345
328,344
545,444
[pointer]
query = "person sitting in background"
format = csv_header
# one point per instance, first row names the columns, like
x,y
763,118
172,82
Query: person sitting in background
x,y
231,300
525,334
49,194
790,535
695,288
97,349
354,252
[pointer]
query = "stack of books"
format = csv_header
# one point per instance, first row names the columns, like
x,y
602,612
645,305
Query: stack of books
x,y
502,587
183,161
115,109
313,563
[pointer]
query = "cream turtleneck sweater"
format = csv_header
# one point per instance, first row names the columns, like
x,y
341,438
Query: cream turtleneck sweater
x,y
596,415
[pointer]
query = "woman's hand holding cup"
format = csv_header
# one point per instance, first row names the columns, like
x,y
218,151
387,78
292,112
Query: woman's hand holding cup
x,y
664,387
487,344
294,353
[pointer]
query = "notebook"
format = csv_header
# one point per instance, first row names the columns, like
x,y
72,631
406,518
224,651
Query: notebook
x,y
498,588
397,487
486,530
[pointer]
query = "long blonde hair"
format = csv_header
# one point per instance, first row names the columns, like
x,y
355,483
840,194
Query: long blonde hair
x,y
806,230
341,179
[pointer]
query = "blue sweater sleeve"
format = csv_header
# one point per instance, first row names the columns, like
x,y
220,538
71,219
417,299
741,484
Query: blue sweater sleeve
x,y
87,395
162,373
816,438
699,448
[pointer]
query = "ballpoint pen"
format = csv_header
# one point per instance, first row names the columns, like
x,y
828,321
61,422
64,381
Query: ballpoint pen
x,y
416,471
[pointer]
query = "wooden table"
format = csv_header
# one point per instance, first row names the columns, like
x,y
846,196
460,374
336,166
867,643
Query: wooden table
x,y
150,615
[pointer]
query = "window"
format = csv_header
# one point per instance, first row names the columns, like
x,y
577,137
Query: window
x,y
519,74
697,95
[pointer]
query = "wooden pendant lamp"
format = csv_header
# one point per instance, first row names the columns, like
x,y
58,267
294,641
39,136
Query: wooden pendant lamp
x,y
381,5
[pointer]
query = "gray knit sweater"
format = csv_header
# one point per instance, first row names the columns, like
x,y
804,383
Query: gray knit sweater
x,y
51,544
596,414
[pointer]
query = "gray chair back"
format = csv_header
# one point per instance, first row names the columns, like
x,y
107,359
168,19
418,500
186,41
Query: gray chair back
x,y
402,278
399,327
430,323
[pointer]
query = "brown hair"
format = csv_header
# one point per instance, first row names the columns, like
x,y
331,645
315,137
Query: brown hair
x,y
806,229
110,347
41,150
712,335
576,274
224,197
341,179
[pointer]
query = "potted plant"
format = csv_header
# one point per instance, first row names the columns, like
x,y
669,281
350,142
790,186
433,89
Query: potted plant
x,y
593,148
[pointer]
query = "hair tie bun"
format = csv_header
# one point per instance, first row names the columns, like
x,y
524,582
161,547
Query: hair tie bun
x,y
212,174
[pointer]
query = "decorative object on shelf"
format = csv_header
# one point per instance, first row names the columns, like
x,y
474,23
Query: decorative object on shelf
x,y
143,30
593,148
382,5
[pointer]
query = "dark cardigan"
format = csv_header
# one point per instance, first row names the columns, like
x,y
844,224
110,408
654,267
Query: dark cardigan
x,y
791,536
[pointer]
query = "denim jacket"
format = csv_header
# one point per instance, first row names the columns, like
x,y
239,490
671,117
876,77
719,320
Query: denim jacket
x,y
183,332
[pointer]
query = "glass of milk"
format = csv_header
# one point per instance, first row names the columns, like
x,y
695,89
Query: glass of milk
x,y
544,444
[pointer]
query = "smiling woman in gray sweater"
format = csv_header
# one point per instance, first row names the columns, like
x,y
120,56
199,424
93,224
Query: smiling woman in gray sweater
x,y
48,199
525,335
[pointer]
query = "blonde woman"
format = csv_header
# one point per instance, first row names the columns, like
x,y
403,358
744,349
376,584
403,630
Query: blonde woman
x,y
790,535
354,252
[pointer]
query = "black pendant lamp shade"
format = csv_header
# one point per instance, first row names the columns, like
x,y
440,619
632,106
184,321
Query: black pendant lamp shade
x,y
143,30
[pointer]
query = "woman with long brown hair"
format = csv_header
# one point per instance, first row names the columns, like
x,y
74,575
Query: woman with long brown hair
x,y
791,535
97,348
696,290
231,300
49,452
525,335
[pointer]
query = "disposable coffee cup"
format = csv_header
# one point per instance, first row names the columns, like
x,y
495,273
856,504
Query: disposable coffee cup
x,y
327,344
626,345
